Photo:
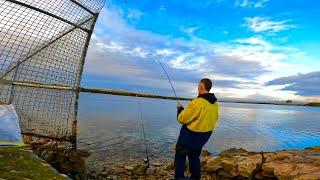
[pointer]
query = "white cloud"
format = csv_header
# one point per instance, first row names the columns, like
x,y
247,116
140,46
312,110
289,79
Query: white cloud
x,y
189,30
162,8
187,61
165,52
262,24
251,3
134,14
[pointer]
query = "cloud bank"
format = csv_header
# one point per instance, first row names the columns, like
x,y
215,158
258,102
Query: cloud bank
x,y
303,84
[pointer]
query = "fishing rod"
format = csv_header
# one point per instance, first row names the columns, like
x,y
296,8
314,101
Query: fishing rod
x,y
144,133
140,110
169,79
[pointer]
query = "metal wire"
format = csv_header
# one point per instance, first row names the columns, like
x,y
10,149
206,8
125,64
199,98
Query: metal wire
x,y
42,51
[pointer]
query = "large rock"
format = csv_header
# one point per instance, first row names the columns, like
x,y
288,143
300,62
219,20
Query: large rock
x,y
213,165
248,165
281,170
205,153
310,176
229,168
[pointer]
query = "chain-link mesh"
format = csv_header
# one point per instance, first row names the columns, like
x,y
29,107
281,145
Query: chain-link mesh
x,y
42,48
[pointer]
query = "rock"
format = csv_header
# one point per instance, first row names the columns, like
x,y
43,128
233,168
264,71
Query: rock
x,y
83,153
151,171
119,171
162,172
170,166
50,157
157,164
246,166
281,170
103,174
306,168
278,156
203,160
75,157
140,169
234,152
268,171
205,153
129,168
310,176
113,177
60,157
213,165
229,168
212,159
65,167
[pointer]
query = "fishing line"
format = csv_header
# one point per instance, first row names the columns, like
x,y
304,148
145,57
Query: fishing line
x,y
140,110
169,79
143,130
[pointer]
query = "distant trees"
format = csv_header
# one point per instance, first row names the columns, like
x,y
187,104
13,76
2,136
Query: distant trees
x,y
288,101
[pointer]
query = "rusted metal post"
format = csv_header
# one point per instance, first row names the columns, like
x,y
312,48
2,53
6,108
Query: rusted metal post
x,y
80,70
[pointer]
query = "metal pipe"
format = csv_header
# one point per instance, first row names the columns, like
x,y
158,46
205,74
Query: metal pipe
x,y
48,13
84,7
41,85
130,93
78,80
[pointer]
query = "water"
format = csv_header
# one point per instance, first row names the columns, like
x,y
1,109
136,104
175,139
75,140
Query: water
x,y
111,126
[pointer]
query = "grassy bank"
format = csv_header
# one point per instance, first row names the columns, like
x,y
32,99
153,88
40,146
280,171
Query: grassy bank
x,y
313,104
17,163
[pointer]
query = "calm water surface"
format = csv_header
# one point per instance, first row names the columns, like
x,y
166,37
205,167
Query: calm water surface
x,y
111,126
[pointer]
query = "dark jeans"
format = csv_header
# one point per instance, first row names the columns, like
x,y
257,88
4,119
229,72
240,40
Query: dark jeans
x,y
194,163
189,145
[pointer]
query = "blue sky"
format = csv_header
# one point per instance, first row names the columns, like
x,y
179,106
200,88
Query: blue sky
x,y
261,50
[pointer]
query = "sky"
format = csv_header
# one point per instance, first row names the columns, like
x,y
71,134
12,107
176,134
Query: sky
x,y
252,50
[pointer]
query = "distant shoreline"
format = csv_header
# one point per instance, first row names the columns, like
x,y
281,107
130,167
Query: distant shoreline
x,y
136,94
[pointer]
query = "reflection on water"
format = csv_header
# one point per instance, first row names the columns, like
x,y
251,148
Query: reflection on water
x,y
111,126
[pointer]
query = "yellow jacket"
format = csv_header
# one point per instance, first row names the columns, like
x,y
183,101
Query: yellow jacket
x,y
201,114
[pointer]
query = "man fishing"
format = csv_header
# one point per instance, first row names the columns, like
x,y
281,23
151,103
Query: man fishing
x,y
198,120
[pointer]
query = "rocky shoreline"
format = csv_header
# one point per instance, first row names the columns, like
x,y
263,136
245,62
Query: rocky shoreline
x,y
230,164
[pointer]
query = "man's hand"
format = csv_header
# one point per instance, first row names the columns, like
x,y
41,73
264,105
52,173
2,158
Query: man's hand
x,y
179,105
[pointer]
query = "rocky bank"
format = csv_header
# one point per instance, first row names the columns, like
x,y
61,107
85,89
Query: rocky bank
x,y
230,164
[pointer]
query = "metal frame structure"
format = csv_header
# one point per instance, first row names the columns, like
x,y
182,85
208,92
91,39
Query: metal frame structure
x,y
43,45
